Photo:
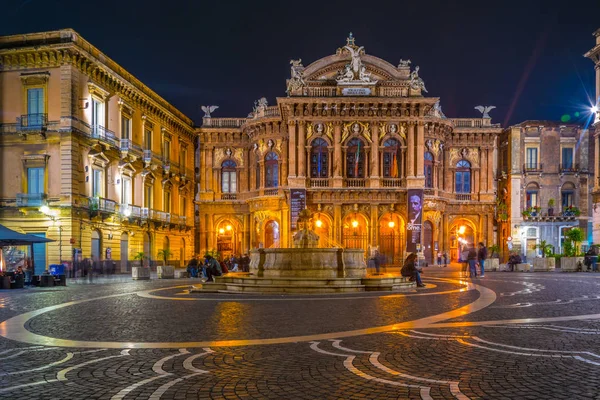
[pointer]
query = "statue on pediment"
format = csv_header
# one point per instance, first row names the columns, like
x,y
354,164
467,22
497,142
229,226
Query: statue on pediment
x,y
404,63
297,76
436,111
416,82
354,71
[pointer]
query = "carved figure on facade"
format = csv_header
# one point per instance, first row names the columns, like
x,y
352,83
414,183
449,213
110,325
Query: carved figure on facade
x,y
297,76
469,154
207,110
354,71
260,105
436,111
416,83
356,128
485,110
404,63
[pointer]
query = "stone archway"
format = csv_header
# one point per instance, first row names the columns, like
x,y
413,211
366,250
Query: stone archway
x,y
462,234
322,226
392,243
355,232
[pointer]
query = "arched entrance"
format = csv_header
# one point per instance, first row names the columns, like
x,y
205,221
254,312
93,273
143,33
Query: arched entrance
x,y
462,235
428,249
124,252
392,243
227,243
322,227
147,249
271,234
96,245
355,232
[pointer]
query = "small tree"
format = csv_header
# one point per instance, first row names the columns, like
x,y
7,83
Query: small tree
x,y
139,256
545,247
494,250
165,254
574,237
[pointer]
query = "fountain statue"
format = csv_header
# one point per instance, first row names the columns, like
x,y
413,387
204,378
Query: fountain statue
x,y
305,237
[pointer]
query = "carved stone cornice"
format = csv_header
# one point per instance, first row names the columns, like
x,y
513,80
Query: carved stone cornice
x,y
38,78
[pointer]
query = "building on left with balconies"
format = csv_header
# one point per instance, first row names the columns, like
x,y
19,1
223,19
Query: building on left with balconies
x,y
91,157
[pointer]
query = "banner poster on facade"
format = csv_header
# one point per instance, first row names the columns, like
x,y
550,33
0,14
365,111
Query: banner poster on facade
x,y
297,204
414,221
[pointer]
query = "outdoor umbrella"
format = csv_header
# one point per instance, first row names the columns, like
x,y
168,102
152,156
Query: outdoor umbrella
x,y
8,237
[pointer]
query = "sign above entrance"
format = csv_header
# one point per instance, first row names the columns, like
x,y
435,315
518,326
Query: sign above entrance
x,y
359,91
297,204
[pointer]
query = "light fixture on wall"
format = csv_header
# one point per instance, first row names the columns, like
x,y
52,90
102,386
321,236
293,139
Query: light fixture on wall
x,y
391,224
85,102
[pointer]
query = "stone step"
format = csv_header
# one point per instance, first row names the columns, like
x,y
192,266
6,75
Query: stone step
x,y
289,281
241,288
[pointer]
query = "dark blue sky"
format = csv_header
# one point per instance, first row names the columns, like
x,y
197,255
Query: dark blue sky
x,y
230,53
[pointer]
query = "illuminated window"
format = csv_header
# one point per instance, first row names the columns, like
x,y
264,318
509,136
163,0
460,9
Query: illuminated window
x,y
98,118
271,170
355,159
228,177
126,190
319,159
391,159
463,177
428,170
97,183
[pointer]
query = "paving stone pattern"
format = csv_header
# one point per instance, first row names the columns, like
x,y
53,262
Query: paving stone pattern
x,y
539,359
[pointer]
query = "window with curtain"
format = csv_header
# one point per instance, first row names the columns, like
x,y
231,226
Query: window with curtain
x,y
355,159
271,170
567,158
319,159
531,158
391,159
35,180
428,169
531,198
228,176
463,177
567,197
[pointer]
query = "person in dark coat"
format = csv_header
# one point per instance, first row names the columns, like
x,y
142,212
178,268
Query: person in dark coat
x,y
481,257
472,259
410,270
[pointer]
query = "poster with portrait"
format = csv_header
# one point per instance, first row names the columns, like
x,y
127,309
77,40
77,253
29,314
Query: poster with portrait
x,y
414,219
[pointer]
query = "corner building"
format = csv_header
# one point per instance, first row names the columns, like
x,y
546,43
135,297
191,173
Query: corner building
x,y
353,136
91,157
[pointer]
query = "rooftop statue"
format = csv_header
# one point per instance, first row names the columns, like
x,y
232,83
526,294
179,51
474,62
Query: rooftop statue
x,y
485,110
208,109
297,76
415,81
404,63
354,71
436,110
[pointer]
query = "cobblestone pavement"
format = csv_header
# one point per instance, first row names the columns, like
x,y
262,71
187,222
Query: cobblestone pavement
x,y
507,336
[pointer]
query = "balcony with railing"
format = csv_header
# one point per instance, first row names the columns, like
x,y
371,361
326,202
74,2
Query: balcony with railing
x,y
102,205
462,196
569,168
532,167
147,156
228,196
391,182
31,199
271,192
32,123
356,182
129,211
223,122
103,134
319,182
474,123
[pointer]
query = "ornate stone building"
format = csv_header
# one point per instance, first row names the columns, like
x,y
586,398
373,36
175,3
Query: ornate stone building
x,y
91,157
594,55
544,175
354,135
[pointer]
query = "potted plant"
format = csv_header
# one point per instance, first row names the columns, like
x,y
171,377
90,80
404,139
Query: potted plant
x,y
550,207
526,213
571,258
140,272
493,262
165,271
535,211
544,263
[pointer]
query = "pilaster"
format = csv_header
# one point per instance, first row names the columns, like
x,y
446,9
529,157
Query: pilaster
x,y
301,149
374,157
337,156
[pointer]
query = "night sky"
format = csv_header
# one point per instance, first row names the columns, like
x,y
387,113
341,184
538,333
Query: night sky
x,y
525,57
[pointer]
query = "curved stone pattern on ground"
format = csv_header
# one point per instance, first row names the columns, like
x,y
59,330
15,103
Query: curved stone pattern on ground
x,y
461,339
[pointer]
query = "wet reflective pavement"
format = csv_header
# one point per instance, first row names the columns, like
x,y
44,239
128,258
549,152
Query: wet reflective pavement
x,y
508,335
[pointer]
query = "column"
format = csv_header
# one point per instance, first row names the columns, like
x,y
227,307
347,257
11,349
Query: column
x,y
337,223
337,154
490,174
301,150
484,171
476,179
374,225
209,169
374,156
285,162
410,151
292,148
420,153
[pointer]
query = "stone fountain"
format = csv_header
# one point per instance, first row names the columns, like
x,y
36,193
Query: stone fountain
x,y
305,268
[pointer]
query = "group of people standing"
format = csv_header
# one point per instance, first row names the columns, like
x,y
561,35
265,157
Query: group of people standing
x,y
212,266
475,258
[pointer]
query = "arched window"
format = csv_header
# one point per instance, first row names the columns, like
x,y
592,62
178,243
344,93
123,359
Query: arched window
x,y
391,159
355,159
318,159
428,165
228,177
463,177
271,170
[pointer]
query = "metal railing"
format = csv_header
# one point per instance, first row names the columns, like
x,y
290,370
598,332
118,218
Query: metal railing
x,y
147,156
131,211
223,122
32,122
125,144
31,199
228,196
356,182
271,192
103,205
569,168
101,133
533,167
463,196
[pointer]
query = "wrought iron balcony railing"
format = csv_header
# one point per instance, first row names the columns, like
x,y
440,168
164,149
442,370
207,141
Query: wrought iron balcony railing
x,y
101,133
31,199
391,182
569,168
147,156
103,205
356,182
463,196
32,122
533,167
228,196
